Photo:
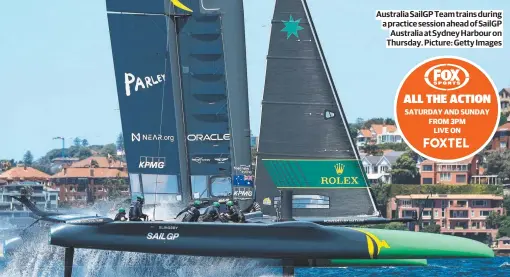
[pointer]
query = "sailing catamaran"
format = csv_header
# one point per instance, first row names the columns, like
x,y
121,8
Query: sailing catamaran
x,y
168,61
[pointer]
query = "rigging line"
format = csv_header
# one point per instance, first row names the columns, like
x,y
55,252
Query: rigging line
x,y
335,95
183,115
161,119
233,159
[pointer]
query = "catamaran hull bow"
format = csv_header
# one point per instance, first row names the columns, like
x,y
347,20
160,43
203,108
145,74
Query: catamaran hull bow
x,y
287,240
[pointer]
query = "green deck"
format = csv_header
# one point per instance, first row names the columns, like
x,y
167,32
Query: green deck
x,y
378,262
393,244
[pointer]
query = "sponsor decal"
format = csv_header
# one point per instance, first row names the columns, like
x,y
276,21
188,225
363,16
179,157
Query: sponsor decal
x,y
315,173
130,80
244,169
180,5
200,160
163,236
221,160
266,201
243,192
339,180
168,227
374,244
152,162
446,77
208,137
87,221
151,137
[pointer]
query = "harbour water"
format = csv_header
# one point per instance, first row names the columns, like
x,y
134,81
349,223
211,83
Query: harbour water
x,y
36,258
110,265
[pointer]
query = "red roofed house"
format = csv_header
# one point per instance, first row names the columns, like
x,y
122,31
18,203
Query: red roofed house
x,y
83,181
24,173
460,214
101,162
450,173
501,139
378,134
504,97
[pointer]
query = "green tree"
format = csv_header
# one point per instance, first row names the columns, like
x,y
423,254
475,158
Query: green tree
x,y
405,171
368,123
381,193
353,130
394,146
109,149
94,164
494,220
115,186
83,153
6,164
432,228
504,228
355,127
372,149
28,158
503,119
120,141
396,226
85,143
43,164
389,121
498,163
506,203
77,142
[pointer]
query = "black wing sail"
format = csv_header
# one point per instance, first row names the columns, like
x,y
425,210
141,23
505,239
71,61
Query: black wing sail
x,y
145,80
304,144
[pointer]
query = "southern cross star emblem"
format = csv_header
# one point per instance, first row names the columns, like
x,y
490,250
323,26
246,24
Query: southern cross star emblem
x,y
292,27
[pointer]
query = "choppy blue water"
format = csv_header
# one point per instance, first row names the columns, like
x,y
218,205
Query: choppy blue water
x,y
499,266
35,258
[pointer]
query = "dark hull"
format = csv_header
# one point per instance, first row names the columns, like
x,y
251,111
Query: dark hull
x,y
280,240
288,240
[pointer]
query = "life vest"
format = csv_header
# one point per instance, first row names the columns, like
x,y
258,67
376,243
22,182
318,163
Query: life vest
x,y
131,213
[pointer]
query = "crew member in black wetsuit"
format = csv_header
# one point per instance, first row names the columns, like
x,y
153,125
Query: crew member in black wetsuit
x,y
192,212
212,213
135,211
121,215
234,213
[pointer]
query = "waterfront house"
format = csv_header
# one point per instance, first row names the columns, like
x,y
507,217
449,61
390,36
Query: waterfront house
x,y
43,196
504,97
378,168
84,181
22,173
503,243
501,139
458,173
378,134
458,214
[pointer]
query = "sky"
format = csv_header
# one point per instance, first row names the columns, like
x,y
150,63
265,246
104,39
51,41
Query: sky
x,y
57,76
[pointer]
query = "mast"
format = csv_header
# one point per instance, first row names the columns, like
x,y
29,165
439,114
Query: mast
x,y
213,89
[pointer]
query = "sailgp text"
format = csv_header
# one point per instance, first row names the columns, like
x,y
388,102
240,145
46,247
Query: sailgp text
x,y
163,236
141,82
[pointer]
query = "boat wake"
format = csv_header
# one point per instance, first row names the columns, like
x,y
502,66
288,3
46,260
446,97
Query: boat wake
x,y
36,258
505,264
